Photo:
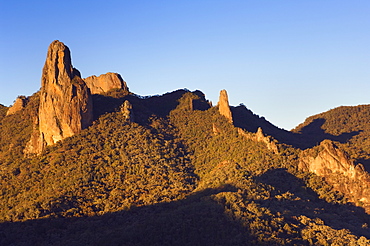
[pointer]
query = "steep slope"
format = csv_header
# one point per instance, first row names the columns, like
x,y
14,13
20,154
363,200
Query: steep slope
x,y
244,118
112,166
3,110
16,130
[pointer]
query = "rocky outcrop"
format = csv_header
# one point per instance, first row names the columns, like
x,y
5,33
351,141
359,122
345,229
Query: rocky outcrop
x,y
105,83
18,105
259,136
331,163
223,105
215,129
126,110
65,100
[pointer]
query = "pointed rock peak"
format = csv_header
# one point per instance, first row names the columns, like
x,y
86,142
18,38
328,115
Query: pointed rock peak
x,y
65,100
259,132
223,105
105,82
58,65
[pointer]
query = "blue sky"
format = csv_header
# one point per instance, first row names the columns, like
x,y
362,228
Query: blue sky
x,y
285,60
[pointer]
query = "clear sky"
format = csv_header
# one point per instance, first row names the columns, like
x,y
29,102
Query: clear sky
x,y
285,60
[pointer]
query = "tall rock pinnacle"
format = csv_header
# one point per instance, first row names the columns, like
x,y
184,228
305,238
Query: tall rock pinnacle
x,y
223,105
65,100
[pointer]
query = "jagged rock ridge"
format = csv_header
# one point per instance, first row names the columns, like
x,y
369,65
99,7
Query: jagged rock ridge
x,y
259,136
18,105
337,169
65,100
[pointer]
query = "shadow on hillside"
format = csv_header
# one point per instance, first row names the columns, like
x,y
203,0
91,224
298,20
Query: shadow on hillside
x,y
315,134
365,163
337,216
310,135
196,220
145,107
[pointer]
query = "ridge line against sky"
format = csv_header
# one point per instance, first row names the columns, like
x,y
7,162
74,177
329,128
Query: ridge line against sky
x,y
285,60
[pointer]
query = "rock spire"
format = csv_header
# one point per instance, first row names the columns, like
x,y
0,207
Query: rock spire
x,y
223,105
65,100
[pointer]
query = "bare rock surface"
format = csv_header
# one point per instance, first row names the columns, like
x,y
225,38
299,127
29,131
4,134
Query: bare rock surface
x,y
331,163
65,100
18,105
223,105
105,83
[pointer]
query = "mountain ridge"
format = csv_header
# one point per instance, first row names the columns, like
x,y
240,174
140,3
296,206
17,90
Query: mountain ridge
x,y
173,169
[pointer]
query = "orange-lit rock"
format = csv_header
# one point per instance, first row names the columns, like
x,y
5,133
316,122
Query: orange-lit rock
x,y
105,82
223,105
65,100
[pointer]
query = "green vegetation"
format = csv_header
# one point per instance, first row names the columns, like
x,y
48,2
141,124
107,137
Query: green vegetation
x,y
181,175
16,130
348,125
3,110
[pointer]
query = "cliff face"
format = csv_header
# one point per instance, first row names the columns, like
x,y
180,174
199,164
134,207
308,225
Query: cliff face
x,y
105,82
223,105
65,100
338,170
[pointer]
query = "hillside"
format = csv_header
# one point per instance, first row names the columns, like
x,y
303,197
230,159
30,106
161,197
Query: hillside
x,y
348,125
174,170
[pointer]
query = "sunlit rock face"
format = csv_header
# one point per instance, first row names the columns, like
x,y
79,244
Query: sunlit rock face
x,y
65,100
223,105
18,105
337,169
105,83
